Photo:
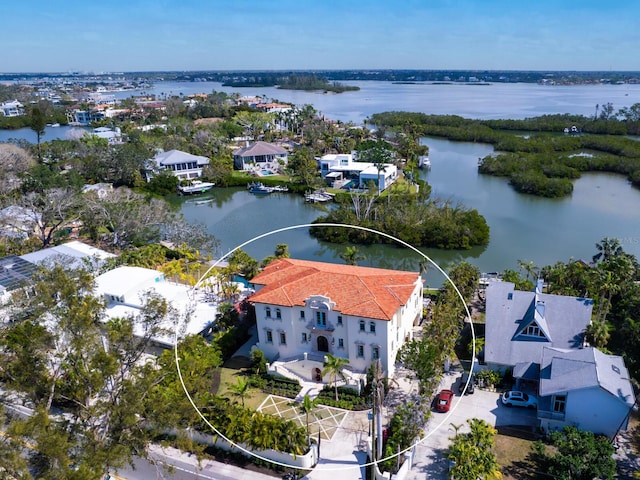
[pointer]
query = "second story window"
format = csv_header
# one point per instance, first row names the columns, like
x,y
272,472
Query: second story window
x,y
283,338
375,353
321,319
269,336
267,312
302,315
278,314
340,320
559,402
340,343
372,327
360,351
362,325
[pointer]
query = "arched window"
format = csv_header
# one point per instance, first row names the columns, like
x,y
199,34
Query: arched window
x,y
267,312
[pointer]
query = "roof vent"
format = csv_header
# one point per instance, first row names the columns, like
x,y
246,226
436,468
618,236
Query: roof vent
x,y
510,296
615,369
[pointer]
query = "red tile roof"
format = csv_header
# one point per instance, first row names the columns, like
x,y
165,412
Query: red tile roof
x,y
359,291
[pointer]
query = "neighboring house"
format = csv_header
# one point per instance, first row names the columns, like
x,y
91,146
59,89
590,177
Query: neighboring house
x,y
19,222
183,165
358,313
15,273
273,107
12,108
257,154
74,254
541,336
520,324
124,290
584,388
343,166
18,272
111,135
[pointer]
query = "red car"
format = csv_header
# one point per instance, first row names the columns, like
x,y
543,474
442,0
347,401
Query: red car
x,y
443,400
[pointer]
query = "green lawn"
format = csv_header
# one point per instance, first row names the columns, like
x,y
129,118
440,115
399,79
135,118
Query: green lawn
x,y
511,450
229,373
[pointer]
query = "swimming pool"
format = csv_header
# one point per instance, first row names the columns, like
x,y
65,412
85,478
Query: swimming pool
x,y
266,172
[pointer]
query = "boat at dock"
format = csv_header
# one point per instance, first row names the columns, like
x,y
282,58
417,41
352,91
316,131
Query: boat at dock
x,y
319,196
195,186
424,162
259,188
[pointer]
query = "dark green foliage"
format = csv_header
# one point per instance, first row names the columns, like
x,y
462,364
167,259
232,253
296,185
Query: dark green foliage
x,y
416,221
543,162
577,455
348,398
164,183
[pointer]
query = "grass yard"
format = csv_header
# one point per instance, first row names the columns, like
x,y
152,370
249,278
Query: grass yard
x,y
233,369
512,448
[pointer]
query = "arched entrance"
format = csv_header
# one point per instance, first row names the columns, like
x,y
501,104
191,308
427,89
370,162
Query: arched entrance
x,y
317,374
323,344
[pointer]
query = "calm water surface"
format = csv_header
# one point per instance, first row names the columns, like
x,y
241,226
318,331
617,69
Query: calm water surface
x,y
523,227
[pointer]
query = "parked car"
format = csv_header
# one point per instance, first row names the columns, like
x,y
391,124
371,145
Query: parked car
x,y
443,400
519,399
463,382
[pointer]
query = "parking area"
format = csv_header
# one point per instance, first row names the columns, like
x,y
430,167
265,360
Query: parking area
x,y
429,461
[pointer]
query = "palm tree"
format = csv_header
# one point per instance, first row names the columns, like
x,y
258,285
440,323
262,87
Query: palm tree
x,y
307,407
607,248
529,267
351,256
240,389
598,334
333,366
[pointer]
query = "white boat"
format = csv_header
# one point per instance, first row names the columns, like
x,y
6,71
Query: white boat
x,y
318,196
195,186
424,162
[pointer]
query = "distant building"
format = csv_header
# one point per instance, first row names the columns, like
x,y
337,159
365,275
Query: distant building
x,y
343,166
12,108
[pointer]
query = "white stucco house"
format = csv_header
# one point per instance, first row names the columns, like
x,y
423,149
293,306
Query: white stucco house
x,y
584,388
183,165
358,313
344,166
124,290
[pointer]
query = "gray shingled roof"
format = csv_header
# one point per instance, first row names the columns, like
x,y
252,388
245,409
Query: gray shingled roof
x,y
259,148
173,157
562,319
563,371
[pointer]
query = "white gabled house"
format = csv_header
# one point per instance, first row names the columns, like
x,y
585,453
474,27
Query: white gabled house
x,y
182,164
358,313
12,108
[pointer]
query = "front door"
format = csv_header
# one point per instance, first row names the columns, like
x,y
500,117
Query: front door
x,y
323,344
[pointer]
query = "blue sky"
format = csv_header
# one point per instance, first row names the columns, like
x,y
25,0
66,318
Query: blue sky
x,y
119,35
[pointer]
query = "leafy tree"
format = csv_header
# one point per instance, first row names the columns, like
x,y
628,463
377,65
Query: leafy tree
x,y
333,367
577,455
303,167
258,361
472,452
163,183
516,278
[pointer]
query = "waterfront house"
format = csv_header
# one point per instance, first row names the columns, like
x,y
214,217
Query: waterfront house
x,y
125,291
520,324
313,308
344,166
259,154
541,337
12,108
584,388
183,165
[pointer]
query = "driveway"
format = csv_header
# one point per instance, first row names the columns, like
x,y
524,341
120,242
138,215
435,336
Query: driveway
x,y
429,461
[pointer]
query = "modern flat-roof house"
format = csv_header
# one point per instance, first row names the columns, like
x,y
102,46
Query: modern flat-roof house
x,y
124,290
183,165
12,108
584,388
358,313
258,154
343,166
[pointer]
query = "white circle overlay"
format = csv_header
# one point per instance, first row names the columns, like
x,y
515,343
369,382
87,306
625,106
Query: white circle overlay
x,y
324,467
